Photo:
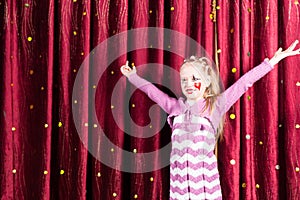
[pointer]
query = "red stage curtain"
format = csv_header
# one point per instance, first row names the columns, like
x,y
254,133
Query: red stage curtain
x,y
45,42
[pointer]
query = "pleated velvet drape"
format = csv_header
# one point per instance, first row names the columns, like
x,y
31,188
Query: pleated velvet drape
x,y
43,45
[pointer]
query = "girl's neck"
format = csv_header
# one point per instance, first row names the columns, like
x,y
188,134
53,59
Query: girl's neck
x,y
192,101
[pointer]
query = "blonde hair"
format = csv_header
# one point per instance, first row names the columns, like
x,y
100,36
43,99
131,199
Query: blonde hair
x,y
204,66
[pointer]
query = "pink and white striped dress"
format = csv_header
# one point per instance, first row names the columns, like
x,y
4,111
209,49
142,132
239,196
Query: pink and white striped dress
x,y
193,165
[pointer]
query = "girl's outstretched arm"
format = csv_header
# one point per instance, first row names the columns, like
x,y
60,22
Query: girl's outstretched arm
x,y
163,100
234,92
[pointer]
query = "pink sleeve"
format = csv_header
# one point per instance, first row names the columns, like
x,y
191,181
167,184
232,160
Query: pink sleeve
x,y
234,92
163,100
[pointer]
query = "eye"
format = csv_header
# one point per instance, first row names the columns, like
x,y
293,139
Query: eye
x,y
196,79
184,80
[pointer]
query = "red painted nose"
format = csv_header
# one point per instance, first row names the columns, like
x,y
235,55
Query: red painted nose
x,y
197,85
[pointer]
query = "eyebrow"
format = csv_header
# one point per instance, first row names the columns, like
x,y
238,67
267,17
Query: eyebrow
x,y
194,77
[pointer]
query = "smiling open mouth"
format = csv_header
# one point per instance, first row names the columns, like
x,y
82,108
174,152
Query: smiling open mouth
x,y
189,91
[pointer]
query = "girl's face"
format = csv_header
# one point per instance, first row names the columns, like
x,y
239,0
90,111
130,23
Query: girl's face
x,y
193,83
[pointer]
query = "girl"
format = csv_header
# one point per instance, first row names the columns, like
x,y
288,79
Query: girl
x,y
197,123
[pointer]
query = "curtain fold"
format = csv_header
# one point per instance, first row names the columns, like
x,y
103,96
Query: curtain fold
x,y
289,122
54,131
229,46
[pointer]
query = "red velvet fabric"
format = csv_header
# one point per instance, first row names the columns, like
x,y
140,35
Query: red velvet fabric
x,y
44,43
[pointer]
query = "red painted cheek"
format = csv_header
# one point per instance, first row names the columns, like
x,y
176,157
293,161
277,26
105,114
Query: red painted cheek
x,y
197,85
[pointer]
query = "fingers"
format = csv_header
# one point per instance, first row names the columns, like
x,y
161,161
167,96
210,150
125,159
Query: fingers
x,y
295,52
296,42
279,54
293,45
125,68
278,51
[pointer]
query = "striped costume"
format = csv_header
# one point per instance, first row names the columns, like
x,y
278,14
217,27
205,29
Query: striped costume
x,y
193,165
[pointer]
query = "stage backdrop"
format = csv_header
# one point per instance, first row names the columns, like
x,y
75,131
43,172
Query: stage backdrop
x,y
43,45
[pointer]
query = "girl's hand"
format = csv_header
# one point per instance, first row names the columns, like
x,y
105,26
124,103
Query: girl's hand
x,y
127,71
279,55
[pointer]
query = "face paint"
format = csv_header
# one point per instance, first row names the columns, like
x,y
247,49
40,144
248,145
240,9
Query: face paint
x,y
197,85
